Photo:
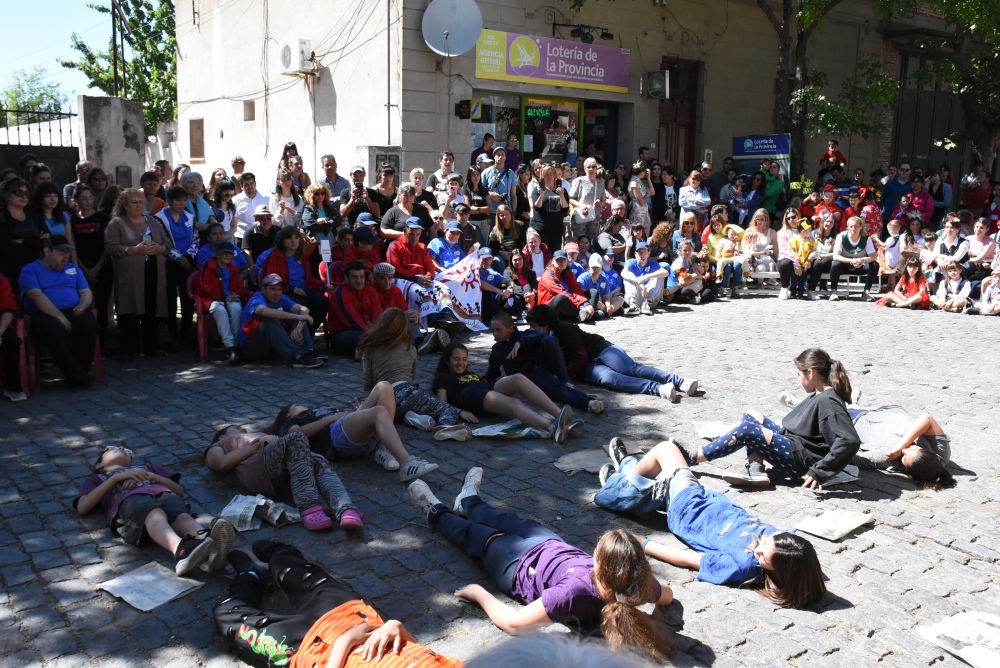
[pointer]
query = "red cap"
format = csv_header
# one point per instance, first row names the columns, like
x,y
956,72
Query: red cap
x,y
829,189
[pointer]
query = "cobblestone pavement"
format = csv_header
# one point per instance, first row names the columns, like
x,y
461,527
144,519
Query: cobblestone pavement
x,y
928,555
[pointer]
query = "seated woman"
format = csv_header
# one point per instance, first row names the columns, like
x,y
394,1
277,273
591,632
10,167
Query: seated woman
x,y
911,289
982,250
536,254
558,288
893,440
328,624
826,237
593,359
388,355
521,278
476,398
349,435
555,581
690,276
265,464
815,441
685,232
731,546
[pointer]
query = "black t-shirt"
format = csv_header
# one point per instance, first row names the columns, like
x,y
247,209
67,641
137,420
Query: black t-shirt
x,y
508,239
476,198
428,197
384,202
255,243
395,219
88,234
360,206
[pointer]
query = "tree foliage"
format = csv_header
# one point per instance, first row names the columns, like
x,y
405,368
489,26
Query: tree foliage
x,y
150,67
27,90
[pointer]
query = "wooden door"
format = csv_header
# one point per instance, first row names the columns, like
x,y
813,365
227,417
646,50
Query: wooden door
x,y
678,122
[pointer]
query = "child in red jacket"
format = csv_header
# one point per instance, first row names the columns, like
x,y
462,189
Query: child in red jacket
x,y
220,291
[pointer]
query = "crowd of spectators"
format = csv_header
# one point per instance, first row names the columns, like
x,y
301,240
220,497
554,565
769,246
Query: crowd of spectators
x,y
590,241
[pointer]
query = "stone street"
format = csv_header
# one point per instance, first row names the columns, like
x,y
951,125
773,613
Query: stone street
x,y
928,555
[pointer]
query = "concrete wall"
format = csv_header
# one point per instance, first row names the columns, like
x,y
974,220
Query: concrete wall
x,y
111,135
733,41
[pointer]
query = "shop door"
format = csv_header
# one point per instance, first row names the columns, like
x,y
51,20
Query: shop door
x,y
551,128
600,131
677,115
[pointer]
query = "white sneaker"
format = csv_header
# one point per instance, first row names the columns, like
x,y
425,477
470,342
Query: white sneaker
x,y
595,406
689,387
788,400
668,391
15,396
458,432
812,296
834,297
473,479
645,309
697,299
783,293
385,458
422,496
415,468
417,421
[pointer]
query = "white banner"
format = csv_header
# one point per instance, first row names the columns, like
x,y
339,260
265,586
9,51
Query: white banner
x,y
457,289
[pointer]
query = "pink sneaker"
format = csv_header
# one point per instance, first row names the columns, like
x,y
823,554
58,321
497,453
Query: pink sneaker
x,y
351,519
316,519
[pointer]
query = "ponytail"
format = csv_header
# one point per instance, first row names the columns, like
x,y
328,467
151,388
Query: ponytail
x,y
831,370
622,570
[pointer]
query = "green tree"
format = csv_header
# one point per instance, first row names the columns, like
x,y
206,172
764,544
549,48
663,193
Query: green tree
x,y
150,69
27,90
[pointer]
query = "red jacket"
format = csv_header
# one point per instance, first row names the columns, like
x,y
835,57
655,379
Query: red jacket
x,y
391,298
350,310
546,254
277,264
549,287
369,258
208,284
7,302
410,262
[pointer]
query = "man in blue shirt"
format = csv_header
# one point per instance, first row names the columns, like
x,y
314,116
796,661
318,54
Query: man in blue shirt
x,y
263,330
595,282
500,181
447,252
497,297
58,298
644,279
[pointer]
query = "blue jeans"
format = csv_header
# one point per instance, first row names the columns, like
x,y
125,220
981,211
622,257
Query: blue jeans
x,y
499,540
628,492
272,338
551,359
615,370
733,272
799,284
749,434
345,342
556,391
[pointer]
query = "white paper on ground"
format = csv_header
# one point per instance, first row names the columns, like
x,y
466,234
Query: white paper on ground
x,y
834,524
246,512
972,636
590,460
511,429
149,586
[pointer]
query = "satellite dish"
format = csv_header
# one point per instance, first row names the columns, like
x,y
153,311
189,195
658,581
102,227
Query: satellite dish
x,y
286,56
452,27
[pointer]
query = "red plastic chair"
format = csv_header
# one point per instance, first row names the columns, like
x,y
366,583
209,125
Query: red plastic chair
x,y
19,329
32,349
203,319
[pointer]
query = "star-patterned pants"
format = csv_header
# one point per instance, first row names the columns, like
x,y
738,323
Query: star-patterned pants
x,y
749,434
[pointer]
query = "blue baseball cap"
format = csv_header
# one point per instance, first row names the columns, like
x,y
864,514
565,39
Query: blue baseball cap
x,y
560,255
642,245
454,226
414,223
365,236
225,247
367,219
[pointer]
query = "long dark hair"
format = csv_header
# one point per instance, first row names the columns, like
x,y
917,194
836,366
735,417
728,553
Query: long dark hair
x,y
928,467
442,365
286,233
796,579
279,421
41,190
221,185
391,329
622,569
829,369
282,173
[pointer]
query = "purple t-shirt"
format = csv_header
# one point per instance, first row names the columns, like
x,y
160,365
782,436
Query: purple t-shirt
x,y
560,575
114,498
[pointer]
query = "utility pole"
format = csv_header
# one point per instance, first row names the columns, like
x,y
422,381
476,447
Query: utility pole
x,y
114,49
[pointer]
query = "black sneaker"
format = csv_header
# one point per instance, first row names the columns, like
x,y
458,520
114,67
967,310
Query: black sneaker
x,y
306,361
244,563
606,472
690,454
617,451
191,552
265,549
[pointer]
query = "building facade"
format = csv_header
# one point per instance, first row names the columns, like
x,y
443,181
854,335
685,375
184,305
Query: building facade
x,y
356,79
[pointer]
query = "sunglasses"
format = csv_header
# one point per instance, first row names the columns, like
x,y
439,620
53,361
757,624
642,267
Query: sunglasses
x,y
112,448
20,193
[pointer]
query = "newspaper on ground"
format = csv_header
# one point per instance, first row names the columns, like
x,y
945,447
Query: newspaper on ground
x,y
149,586
834,524
510,429
973,637
590,460
246,512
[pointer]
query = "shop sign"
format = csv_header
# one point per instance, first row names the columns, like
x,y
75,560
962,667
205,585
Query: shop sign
x,y
504,56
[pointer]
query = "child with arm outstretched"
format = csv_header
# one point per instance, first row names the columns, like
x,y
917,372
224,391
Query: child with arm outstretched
x,y
891,439
142,500
555,581
454,383
730,546
351,434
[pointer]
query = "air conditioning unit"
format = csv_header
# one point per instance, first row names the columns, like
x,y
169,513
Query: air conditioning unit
x,y
296,58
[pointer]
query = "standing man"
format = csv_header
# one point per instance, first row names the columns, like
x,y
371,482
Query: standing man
x,y
500,182
166,172
69,190
513,153
266,327
238,164
438,181
334,181
719,179
585,196
485,149
896,188
644,154
58,298
246,204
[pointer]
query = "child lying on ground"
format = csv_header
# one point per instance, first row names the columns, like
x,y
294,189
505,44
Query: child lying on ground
x,y
144,499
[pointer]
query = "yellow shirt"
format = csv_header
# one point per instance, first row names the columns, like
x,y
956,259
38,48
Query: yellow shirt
x,y
803,248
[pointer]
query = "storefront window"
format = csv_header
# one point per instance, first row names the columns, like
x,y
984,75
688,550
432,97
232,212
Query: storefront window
x,y
551,128
500,115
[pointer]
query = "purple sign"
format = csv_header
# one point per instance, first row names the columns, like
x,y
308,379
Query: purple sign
x,y
504,56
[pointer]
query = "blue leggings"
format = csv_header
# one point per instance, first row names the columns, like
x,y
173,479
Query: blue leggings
x,y
749,434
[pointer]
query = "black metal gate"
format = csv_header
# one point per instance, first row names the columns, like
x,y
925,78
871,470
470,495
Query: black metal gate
x,y
52,137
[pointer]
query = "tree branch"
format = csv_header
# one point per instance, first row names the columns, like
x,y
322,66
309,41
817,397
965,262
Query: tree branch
x,y
769,13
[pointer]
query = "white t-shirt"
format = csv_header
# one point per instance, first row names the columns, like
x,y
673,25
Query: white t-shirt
x,y
538,263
